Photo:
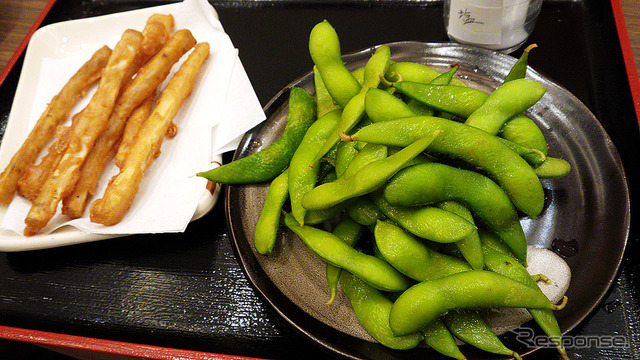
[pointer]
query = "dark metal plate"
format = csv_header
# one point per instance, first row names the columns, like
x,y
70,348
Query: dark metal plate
x,y
589,208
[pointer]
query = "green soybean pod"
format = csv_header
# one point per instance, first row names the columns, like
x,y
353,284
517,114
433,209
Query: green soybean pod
x,y
372,309
382,106
330,248
429,300
470,247
363,211
411,256
524,132
552,168
471,145
354,110
443,79
430,183
454,99
468,326
303,177
416,260
503,264
366,180
324,48
507,101
519,69
346,152
415,72
367,155
533,156
324,101
425,221
269,162
266,230
438,337
350,232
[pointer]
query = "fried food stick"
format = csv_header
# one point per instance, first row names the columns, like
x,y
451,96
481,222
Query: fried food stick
x,y
56,113
35,175
156,33
84,133
142,87
123,187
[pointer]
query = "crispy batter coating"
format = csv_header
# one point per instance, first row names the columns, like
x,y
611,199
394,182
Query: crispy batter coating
x,y
142,87
123,187
55,114
84,132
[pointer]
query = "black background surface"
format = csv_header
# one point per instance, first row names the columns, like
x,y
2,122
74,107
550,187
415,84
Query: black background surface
x,y
188,291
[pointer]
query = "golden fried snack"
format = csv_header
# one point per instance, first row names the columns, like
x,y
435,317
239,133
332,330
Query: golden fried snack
x,y
156,33
123,187
142,87
35,175
84,133
56,113
74,204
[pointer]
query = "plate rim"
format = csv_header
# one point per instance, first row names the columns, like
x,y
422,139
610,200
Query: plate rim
x,y
532,72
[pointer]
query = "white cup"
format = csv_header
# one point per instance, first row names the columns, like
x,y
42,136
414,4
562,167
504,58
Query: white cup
x,y
502,25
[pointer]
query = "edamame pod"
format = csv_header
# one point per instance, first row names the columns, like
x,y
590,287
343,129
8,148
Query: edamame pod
x,y
457,100
470,145
363,211
366,180
324,48
324,101
523,131
416,260
348,231
372,309
438,337
269,162
503,264
354,110
429,183
331,249
508,100
266,230
519,69
414,72
425,221
470,327
428,300
553,168
303,177
443,79
470,246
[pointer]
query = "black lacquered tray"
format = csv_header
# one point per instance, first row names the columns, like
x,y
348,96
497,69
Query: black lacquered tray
x,y
187,291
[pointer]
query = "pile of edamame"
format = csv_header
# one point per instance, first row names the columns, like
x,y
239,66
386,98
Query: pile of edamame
x,y
437,172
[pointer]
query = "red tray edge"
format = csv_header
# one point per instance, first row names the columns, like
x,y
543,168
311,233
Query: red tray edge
x,y
109,346
625,46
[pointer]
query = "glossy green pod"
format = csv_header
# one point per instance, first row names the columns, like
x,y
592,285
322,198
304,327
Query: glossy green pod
x,y
303,177
324,48
429,300
350,232
366,180
425,221
507,101
430,183
269,162
372,309
266,230
470,145
331,249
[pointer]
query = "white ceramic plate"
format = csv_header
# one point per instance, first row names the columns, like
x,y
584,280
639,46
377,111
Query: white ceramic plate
x,y
71,42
